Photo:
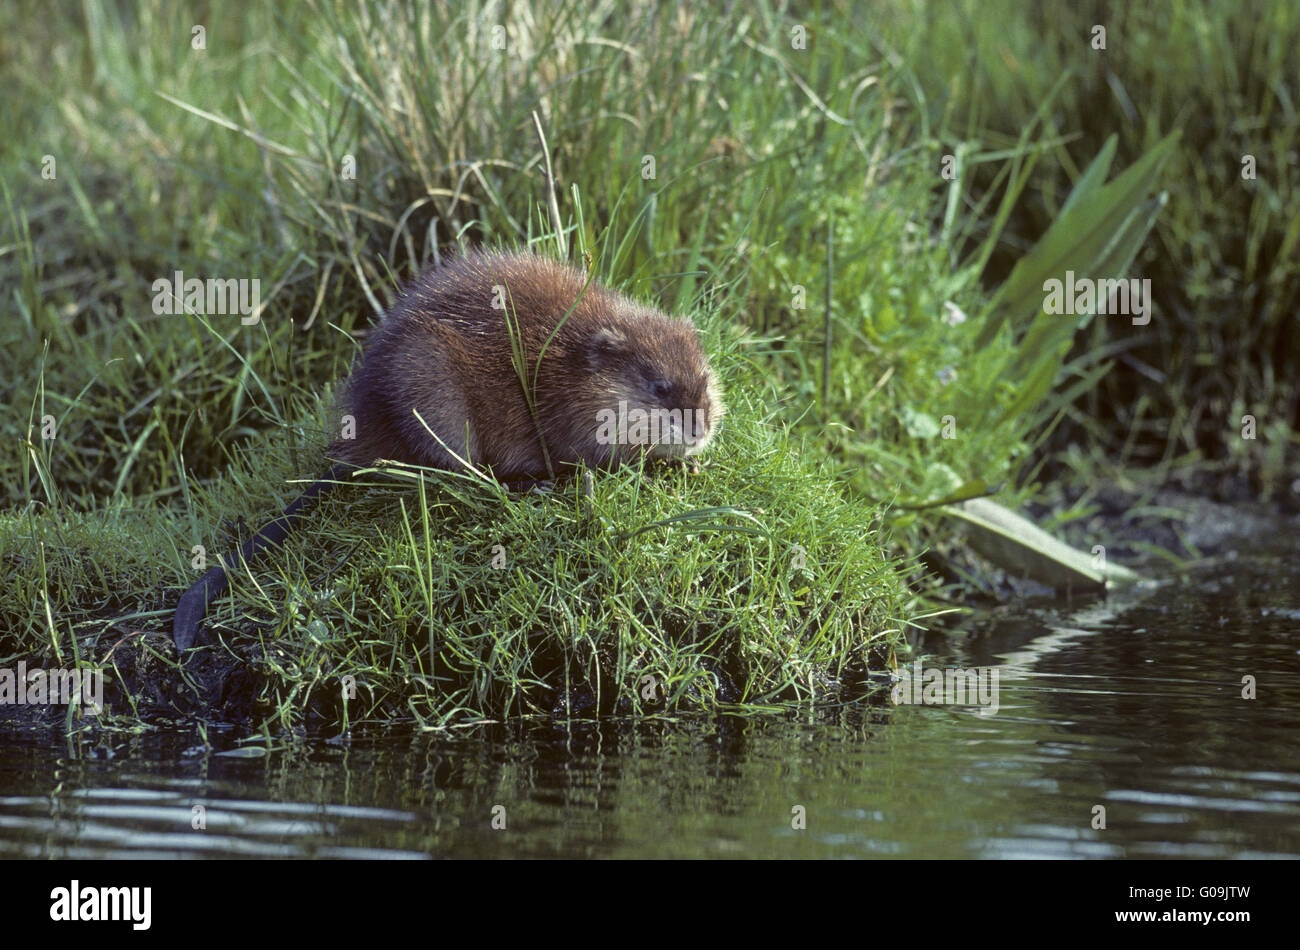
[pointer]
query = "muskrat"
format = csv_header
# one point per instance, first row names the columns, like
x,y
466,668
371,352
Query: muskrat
x,y
513,364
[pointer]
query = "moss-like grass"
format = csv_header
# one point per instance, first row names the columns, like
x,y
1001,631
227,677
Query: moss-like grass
x,y
440,596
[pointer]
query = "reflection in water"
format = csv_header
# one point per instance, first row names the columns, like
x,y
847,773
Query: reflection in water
x,y
1137,709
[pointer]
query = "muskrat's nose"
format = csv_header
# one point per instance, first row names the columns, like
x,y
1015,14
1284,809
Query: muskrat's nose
x,y
700,423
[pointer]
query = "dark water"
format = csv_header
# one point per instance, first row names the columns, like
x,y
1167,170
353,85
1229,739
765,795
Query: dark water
x,y
1134,705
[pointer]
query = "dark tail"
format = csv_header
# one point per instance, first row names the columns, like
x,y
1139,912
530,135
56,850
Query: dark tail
x,y
193,606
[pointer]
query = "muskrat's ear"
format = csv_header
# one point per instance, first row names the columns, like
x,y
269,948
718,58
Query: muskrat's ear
x,y
604,345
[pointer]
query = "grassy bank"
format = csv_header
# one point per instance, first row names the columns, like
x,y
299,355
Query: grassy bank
x,y
775,177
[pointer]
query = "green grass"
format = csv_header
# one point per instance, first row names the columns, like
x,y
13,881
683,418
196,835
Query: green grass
x,y
1222,257
753,582
783,179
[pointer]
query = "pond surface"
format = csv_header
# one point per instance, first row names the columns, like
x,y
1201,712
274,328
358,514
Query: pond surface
x,y
1133,704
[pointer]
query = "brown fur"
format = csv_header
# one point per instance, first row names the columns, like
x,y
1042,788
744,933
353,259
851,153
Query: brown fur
x,y
444,350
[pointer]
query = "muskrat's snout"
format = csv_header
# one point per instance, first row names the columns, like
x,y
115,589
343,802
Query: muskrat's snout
x,y
703,421
658,394
688,415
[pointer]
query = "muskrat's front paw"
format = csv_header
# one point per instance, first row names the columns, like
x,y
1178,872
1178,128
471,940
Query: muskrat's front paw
x,y
688,465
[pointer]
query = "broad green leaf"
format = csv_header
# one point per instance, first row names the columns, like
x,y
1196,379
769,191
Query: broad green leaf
x,y
1080,238
1048,331
1020,547
1093,176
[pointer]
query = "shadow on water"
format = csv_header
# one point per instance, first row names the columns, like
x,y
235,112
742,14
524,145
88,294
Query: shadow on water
x,y
1134,705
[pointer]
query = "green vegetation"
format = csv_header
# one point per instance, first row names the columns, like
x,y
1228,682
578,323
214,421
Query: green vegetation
x,y
710,165
1223,257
